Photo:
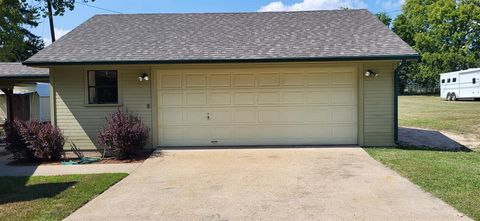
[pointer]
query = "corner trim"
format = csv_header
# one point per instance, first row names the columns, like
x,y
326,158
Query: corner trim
x,y
396,87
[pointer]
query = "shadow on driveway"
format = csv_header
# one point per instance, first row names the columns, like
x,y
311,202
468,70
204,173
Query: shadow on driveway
x,y
428,139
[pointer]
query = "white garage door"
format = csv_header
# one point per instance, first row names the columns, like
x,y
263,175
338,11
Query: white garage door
x,y
257,107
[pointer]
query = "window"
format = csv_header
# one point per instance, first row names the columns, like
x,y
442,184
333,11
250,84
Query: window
x,y
443,81
102,87
474,80
448,80
454,80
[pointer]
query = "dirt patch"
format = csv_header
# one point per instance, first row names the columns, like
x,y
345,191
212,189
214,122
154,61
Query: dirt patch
x,y
142,156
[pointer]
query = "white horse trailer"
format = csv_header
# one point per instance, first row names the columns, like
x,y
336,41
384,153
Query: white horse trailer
x,y
460,85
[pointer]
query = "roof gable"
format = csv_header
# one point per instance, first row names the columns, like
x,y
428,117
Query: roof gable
x,y
152,38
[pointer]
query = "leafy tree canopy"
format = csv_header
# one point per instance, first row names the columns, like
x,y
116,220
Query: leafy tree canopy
x,y
59,6
445,32
17,43
383,17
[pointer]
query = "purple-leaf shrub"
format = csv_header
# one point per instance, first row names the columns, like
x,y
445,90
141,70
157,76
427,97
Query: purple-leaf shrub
x,y
123,134
15,142
33,140
44,141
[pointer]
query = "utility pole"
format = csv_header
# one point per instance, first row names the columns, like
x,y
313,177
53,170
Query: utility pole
x,y
50,19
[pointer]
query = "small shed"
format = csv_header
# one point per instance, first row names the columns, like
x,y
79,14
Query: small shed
x,y
24,92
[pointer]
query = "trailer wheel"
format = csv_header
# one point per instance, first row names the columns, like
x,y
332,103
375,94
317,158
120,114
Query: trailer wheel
x,y
453,97
448,97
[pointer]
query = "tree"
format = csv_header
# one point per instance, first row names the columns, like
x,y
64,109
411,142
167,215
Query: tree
x,y
445,32
383,17
50,8
17,43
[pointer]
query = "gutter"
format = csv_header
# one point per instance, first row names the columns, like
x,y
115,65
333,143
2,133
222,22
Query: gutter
x,y
396,84
240,60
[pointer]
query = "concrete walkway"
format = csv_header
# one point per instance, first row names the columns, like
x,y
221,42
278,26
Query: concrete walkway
x,y
265,184
50,170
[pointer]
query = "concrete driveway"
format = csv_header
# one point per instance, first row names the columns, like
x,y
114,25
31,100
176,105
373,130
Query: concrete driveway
x,y
265,184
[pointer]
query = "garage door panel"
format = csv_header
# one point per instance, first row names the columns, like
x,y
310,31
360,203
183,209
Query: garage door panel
x,y
196,133
195,80
343,78
220,133
220,116
195,116
292,79
343,96
171,81
250,108
244,116
244,132
315,132
244,98
318,79
195,98
344,115
268,97
219,98
173,133
318,97
268,116
293,115
219,80
172,116
292,97
170,99
244,80
268,80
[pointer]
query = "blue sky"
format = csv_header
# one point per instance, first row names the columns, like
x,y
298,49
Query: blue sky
x,y
82,12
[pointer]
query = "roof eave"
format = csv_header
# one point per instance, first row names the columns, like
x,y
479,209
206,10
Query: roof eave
x,y
408,57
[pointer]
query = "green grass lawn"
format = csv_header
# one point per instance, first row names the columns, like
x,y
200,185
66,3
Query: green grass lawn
x,y
453,177
50,197
433,113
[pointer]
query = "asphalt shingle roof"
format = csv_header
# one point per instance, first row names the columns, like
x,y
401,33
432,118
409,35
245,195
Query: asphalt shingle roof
x,y
146,38
16,70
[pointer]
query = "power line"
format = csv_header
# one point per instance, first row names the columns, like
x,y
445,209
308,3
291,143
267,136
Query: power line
x,y
92,6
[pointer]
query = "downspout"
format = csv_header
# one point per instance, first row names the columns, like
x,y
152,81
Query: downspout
x,y
396,84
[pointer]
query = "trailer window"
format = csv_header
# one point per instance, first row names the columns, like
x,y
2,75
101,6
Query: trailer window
x,y
474,80
454,80
448,80
443,81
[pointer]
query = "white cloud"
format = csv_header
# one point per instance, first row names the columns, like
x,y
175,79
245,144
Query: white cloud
x,y
59,32
308,5
391,4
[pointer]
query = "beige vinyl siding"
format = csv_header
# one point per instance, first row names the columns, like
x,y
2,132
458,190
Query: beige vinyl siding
x,y
378,105
81,122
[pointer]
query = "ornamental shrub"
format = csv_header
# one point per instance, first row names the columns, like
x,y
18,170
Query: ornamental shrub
x,y
123,134
15,142
44,140
34,141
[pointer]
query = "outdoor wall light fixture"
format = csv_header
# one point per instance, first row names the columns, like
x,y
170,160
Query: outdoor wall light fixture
x,y
370,73
144,77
